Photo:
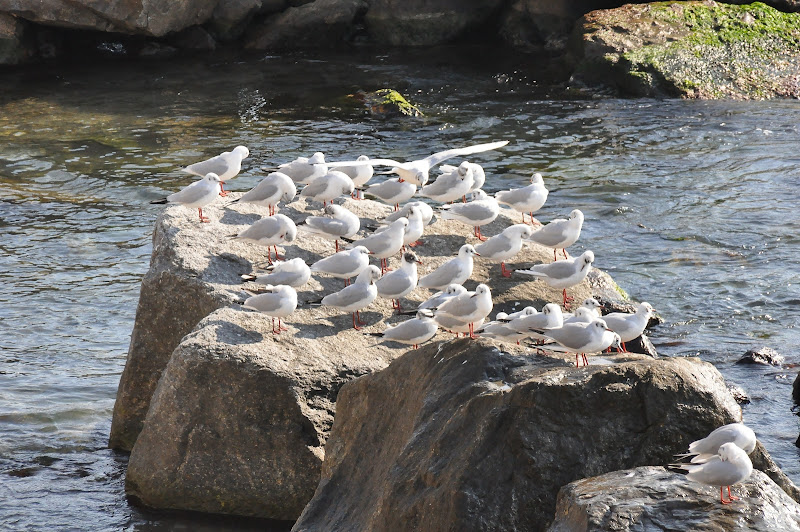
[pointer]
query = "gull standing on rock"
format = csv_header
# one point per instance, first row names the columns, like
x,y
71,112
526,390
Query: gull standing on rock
x,y
424,208
560,233
455,326
385,243
279,302
328,187
480,211
440,297
274,188
292,273
563,274
339,223
729,466
416,226
401,282
392,191
468,307
478,175
417,172
450,186
357,296
504,246
360,174
412,332
703,450
343,265
549,318
629,326
270,231
226,165
582,338
304,170
454,271
198,194
528,199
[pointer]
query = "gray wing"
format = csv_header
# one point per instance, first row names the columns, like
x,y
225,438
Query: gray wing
x,y
410,330
276,278
711,443
373,162
347,296
715,472
459,306
190,194
392,284
377,242
218,165
264,302
387,189
443,274
561,269
572,336
496,244
335,264
550,235
517,195
472,211
330,226
439,187
316,187
264,228
436,158
262,191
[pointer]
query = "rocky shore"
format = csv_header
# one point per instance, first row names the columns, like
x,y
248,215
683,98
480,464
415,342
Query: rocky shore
x,y
696,49
325,426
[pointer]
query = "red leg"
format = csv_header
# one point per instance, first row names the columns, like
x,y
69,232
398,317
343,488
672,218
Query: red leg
x,y
358,316
324,204
337,245
269,254
624,349
585,361
415,346
577,355
504,271
722,497
273,327
203,219
281,327
464,198
567,299
356,327
731,497
472,330
347,282
417,243
555,257
278,257
396,207
564,251
222,191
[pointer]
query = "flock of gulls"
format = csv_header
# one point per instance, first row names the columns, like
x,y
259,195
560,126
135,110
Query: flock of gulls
x,y
720,459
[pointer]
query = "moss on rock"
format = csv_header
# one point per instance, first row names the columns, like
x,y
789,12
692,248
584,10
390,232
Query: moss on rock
x,y
385,103
693,50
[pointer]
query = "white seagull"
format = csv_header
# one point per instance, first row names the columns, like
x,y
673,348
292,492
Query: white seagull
x,y
270,231
504,246
440,297
424,208
274,188
629,326
305,169
356,296
385,243
401,282
738,433
392,191
563,274
450,186
360,174
339,223
343,265
412,332
560,233
198,194
480,211
478,175
582,338
729,466
527,199
468,307
327,187
226,165
454,271
294,273
279,302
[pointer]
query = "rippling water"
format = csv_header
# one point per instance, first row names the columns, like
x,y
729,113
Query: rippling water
x,y
692,206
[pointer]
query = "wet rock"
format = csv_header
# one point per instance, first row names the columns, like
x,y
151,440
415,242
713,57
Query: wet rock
x,y
13,48
194,38
765,356
653,499
739,394
690,49
426,22
319,24
230,18
642,345
146,17
195,269
474,439
541,23
386,103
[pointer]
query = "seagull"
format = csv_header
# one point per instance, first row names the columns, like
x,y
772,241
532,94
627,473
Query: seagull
x,y
582,315
339,223
549,318
480,211
416,226
468,307
528,199
197,194
504,246
329,186
392,191
270,231
527,311
424,208
399,283
704,450
559,233
450,186
272,189
454,325
292,273
356,296
344,264
629,326
582,338
563,274
412,332
438,298
279,302
385,243
454,271
417,172
360,174
501,332
226,165
304,170
730,465
478,175
590,305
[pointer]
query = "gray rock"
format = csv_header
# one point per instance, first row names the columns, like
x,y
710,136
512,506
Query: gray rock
x,y
426,23
541,23
319,24
147,17
13,49
230,17
739,394
474,439
195,269
194,38
654,499
765,356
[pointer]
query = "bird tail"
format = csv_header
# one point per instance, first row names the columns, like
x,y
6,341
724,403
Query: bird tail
x,y
378,334
678,468
314,302
529,272
348,240
248,277
162,201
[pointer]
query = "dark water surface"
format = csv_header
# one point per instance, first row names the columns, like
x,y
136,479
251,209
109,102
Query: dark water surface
x,y
691,206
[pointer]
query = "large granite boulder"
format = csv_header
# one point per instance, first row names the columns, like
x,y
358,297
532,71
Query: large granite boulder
x,y
426,23
319,24
536,23
475,439
195,269
691,49
13,49
653,499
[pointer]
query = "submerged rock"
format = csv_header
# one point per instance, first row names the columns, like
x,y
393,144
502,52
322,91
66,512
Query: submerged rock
x,y
474,439
654,499
691,49
386,103
766,356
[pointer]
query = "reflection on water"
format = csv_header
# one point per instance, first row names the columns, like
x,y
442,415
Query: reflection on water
x,y
689,205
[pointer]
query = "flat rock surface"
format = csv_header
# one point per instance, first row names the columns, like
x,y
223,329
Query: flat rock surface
x,y
654,499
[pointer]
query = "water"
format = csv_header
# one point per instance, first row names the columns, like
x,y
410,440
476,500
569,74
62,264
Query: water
x,y
691,206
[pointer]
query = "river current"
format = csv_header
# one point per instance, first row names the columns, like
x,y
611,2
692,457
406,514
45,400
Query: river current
x,y
690,205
